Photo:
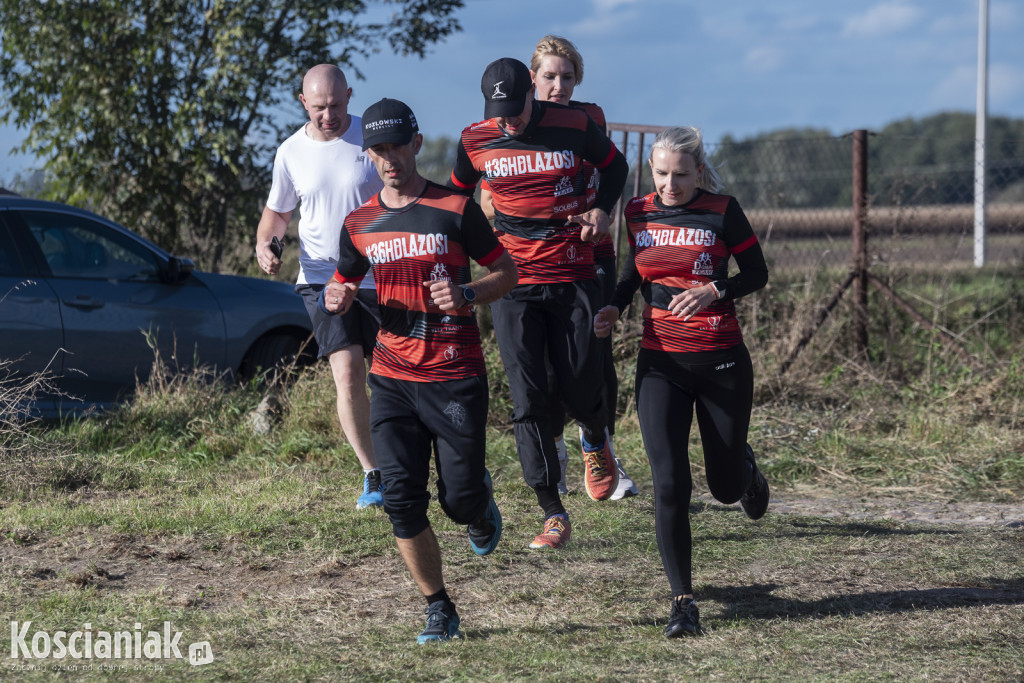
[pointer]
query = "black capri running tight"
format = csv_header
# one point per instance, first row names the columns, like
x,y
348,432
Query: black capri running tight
x,y
720,385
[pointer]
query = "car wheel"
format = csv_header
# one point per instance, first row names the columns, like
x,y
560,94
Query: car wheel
x,y
276,352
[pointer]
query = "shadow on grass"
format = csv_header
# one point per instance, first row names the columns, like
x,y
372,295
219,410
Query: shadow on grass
x,y
757,602
793,526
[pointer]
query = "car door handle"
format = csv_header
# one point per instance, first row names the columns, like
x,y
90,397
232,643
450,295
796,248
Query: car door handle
x,y
85,301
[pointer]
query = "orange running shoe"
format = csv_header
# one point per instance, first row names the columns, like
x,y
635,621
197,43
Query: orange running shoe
x,y
556,533
600,474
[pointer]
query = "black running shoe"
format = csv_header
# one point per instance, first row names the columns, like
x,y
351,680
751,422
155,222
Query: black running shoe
x,y
442,623
684,620
755,501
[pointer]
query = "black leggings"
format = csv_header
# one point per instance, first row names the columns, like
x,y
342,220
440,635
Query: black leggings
x,y
606,278
668,388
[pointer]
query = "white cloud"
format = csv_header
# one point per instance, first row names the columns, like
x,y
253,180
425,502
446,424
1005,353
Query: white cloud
x,y
956,91
1005,85
959,89
884,19
764,59
1003,14
606,18
612,5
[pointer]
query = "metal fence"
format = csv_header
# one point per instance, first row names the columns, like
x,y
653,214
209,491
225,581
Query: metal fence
x,y
798,194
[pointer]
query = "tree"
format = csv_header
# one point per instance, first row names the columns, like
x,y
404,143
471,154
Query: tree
x,y
158,113
437,158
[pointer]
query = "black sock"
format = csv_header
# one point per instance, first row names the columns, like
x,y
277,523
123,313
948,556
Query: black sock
x,y
439,595
549,500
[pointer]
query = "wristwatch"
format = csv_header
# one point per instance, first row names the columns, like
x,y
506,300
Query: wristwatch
x,y
720,287
469,294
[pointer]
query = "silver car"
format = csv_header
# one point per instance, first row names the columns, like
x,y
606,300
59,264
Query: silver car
x,y
88,299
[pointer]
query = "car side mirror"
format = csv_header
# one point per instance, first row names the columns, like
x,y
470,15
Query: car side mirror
x,y
178,269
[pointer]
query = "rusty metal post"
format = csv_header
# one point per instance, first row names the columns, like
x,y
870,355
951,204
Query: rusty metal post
x,y
639,166
860,239
618,211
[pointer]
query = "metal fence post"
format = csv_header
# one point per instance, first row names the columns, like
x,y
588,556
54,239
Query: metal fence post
x,y
860,239
619,206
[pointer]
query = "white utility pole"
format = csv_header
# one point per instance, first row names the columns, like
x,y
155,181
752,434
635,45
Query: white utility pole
x,y
980,121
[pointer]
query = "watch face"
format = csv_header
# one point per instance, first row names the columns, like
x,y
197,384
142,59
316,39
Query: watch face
x,y
469,294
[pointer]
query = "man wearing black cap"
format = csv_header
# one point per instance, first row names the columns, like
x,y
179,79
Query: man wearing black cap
x,y
532,155
428,380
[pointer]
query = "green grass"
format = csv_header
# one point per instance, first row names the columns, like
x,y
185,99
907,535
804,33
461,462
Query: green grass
x,y
328,598
174,509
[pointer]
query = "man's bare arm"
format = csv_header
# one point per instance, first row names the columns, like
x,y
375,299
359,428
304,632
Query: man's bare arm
x,y
272,224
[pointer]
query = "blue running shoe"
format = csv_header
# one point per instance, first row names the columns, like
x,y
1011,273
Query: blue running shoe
x,y
373,491
485,532
442,623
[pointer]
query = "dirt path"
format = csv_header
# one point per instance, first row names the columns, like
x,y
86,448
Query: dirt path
x,y
191,574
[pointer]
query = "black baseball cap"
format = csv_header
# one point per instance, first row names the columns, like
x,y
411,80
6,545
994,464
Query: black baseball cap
x,y
388,121
506,84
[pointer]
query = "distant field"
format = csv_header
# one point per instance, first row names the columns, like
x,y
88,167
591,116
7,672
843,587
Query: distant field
x,y
906,251
921,219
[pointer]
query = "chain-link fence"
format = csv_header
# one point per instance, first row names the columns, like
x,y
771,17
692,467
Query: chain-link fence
x,y
797,192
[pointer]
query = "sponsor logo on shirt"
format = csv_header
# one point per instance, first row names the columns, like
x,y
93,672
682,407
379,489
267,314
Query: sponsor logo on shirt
x,y
570,206
532,162
407,247
703,265
675,237
564,186
439,272
713,321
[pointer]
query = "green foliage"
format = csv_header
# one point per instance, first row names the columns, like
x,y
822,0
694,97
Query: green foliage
x,y
940,148
919,161
159,114
437,158
786,168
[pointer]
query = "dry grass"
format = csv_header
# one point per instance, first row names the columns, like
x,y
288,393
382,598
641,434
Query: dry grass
x,y
174,508
789,597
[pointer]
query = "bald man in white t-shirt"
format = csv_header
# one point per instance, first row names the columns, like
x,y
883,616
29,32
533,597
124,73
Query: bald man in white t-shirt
x,y
322,166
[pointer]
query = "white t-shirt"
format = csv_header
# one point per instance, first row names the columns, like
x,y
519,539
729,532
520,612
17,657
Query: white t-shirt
x,y
330,179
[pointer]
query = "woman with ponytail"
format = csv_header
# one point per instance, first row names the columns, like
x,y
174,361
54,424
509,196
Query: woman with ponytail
x,y
692,357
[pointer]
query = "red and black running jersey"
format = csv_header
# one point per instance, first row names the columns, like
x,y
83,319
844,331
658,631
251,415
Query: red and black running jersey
x,y
605,249
537,181
680,247
432,238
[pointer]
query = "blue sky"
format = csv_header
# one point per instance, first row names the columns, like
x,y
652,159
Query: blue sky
x,y
736,67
